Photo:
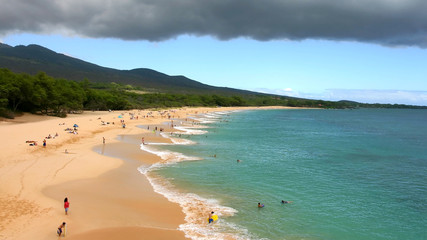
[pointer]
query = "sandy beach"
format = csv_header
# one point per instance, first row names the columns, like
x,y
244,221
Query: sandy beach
x,y
109,198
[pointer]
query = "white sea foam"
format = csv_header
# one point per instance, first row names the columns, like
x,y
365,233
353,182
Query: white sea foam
x,y
178,141
194,206
211,117
168,157
191,125
204,120
188,131
207,119
196,209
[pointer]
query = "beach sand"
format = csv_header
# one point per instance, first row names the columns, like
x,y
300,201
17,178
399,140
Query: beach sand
x,y
109,198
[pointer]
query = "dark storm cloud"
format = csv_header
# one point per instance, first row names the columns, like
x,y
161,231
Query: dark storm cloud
x,y
386,22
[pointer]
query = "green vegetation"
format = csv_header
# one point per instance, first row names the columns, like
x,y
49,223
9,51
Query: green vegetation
x,y
43,94
39,93
48,92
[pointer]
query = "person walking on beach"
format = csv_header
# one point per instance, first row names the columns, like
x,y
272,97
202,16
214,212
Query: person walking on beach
x,y
66,205
103,140
59,231
44,142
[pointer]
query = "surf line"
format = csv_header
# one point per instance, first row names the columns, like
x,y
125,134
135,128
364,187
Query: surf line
x,y
195,219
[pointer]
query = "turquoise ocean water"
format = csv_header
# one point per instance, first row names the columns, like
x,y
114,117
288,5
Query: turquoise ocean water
x,y
351,174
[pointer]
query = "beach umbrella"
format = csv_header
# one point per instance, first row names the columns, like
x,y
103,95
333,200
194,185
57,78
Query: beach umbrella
x,y
120,116
75,125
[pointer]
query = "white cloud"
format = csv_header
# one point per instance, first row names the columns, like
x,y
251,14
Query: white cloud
x,y
387,22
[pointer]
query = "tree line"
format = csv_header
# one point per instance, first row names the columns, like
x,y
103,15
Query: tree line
x,y
44,94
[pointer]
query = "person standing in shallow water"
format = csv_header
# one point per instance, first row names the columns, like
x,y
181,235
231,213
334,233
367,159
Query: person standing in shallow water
x,y
66,205
210,217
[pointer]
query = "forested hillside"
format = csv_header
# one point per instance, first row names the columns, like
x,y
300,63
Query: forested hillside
x,y
44,94
33,59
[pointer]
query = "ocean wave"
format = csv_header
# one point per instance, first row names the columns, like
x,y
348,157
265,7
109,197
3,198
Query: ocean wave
x,y
189,131
177,141
194,206
168,157
191,125
207,118
212,117
196,209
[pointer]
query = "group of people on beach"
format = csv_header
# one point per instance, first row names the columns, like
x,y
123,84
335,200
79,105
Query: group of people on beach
x,y
34,143
49,137
73,130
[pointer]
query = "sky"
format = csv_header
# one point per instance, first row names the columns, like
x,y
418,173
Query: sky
x,y
372,51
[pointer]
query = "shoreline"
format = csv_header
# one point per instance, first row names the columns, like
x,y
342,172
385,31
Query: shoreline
x,y
105,195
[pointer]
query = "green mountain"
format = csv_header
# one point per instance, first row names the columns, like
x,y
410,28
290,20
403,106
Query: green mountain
x,y
32,59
